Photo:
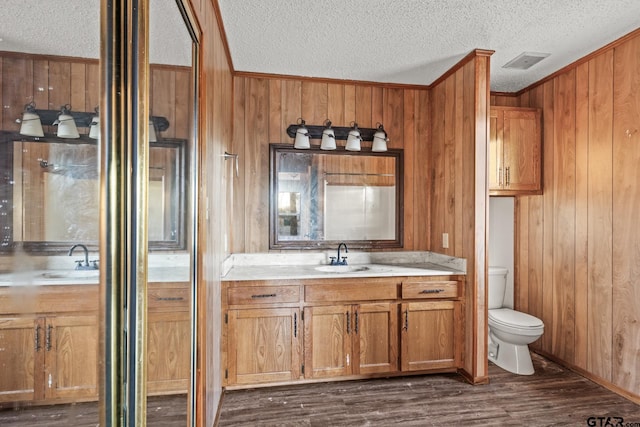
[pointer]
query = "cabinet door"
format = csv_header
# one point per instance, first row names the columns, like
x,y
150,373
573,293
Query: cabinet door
x,y
428,336
71,356
521,150
375,343
21,350
327,337
168,352
495,149
263,345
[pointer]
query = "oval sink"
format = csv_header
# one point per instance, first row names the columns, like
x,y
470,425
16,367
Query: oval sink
x,y
71,274
342,268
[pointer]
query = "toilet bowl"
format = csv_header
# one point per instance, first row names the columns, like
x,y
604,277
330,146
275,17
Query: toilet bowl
x,y
510,331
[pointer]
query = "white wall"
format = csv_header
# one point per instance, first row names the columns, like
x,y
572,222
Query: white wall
x,y
501,239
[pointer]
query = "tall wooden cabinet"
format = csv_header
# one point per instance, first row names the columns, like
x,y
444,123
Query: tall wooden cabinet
x,y
515,151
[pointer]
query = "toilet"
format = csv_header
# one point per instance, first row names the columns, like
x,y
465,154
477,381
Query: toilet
x,y
510,331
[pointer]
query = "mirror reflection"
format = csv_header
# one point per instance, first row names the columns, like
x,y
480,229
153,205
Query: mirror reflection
x,y
320,197
56,193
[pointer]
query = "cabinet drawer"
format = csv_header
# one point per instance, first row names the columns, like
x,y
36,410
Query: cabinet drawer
x,y
350,292
168,299
430,289
262,294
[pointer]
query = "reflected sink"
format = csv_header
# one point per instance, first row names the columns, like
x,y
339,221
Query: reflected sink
x,y
71,274
342,268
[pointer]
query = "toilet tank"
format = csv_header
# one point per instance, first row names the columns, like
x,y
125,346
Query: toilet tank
x,y
497,286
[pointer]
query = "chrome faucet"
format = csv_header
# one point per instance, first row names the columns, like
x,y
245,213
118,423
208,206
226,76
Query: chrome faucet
x,y
340,261
86,265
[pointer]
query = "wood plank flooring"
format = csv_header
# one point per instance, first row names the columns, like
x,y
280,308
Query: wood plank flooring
x,y
552,396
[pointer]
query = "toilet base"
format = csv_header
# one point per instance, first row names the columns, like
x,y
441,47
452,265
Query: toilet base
x,y
510,357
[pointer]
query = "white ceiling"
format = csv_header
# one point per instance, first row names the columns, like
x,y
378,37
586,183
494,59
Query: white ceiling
x,y
416,41
389,41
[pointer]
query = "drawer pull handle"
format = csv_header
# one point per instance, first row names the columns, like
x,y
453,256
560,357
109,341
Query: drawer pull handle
x,y
48,338
406,320
295,325
431,291
348,323
170,298
264,296
37,338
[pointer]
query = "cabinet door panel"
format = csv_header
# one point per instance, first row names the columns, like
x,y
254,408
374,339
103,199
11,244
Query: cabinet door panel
x,y
428,335
376,343
327,333
521,150
168,352
495,149
263,345
19,356
71,356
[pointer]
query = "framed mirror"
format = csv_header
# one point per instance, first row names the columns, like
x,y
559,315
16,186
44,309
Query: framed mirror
x,y
321,198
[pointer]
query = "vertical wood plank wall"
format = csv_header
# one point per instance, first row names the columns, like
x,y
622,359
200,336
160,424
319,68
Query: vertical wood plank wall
x,y
215,126
577,245
459,190
265,107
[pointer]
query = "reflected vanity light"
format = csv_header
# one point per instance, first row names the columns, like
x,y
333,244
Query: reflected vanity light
x,y
66,124
152,131
94,130
69,122
30,124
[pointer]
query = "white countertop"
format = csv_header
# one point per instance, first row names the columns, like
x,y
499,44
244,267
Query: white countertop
x,y
278,266
85,277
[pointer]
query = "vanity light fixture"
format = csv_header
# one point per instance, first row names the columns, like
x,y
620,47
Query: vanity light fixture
x,y
353,138
328,137
302,136
66,124
354,135
30,124
380,139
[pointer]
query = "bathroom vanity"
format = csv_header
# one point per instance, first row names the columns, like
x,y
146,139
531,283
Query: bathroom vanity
x,y
295,324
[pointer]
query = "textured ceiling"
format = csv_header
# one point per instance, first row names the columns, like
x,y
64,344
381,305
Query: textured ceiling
x,y
72,28
392,41
416,41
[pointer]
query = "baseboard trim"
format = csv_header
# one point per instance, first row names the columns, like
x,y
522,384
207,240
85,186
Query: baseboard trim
x,y
588,375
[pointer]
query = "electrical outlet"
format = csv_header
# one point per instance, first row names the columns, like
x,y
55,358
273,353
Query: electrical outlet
x,y
445,240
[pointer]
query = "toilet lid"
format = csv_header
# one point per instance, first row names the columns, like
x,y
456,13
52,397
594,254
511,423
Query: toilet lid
x,y
510,317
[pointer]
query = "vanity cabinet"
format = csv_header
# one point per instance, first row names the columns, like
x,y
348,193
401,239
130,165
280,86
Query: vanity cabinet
x,y
515,151
295,330
50,345
350,339
262,333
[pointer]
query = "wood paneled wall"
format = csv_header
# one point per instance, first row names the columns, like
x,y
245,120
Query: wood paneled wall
x,y
265,107
458,189
577,245
215,125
